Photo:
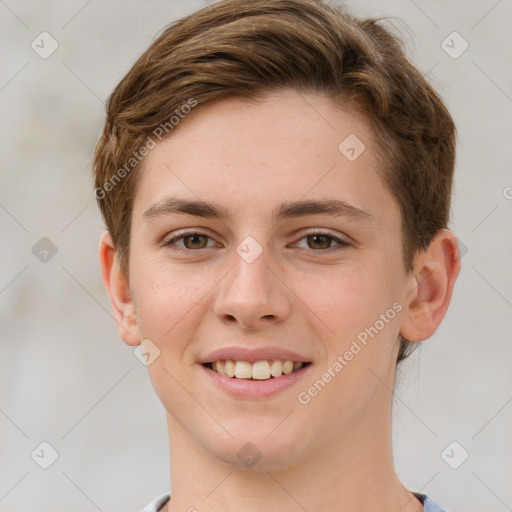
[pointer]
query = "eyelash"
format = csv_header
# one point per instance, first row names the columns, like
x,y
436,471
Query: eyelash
x,y
341,243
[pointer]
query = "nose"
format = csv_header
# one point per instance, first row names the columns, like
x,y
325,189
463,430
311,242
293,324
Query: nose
x,y
254,294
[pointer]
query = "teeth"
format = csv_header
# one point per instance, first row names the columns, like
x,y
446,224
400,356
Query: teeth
x,y
220,366
260,370
277,368
243,370
288,367
230,368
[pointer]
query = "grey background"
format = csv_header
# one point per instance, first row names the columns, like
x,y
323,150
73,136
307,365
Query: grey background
x,y
65,376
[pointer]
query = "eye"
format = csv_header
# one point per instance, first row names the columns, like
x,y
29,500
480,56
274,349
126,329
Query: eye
x,y
192,240
322,240
195,240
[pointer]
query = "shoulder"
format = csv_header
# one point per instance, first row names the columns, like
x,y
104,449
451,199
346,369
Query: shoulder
x,y
428,504
157,503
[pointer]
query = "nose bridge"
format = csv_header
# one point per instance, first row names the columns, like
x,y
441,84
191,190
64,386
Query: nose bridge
x,y
252,293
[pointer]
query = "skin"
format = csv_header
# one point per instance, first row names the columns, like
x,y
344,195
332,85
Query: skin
x,y
309,295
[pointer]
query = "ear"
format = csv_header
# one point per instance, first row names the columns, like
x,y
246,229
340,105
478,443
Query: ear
x,y
435,272
118,289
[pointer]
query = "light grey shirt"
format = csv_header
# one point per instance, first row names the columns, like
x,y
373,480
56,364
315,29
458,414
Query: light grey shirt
x,y
428,504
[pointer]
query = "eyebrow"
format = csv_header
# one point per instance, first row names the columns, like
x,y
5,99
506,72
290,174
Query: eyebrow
x,y
335,207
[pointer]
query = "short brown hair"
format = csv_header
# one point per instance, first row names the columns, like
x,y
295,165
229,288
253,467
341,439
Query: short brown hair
x,y
240,48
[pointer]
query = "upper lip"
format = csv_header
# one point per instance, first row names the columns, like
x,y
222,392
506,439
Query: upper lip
x,y
252,355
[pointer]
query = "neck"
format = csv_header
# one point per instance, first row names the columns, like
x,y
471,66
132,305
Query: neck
x,y
342,473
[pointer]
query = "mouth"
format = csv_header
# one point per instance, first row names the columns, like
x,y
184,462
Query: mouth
x,y
268,369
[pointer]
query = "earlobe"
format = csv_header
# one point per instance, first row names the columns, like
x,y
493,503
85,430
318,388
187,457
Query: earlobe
x,y
118,289
435,273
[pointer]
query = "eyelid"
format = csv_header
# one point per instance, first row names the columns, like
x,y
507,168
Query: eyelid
x,y
324,232
178,235
340,241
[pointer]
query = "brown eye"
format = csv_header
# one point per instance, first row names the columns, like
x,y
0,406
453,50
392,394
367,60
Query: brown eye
x,y
195,241
190,241
322,241
319,241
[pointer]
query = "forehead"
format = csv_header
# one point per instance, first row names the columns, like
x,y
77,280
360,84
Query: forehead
x,y
286,146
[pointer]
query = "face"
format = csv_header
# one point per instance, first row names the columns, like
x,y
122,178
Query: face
x,y
304,264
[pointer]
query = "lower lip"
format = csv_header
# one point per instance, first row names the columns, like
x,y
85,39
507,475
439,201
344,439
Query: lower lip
x,y
248,388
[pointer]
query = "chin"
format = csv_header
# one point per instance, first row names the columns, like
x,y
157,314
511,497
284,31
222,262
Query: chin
x,y
257,451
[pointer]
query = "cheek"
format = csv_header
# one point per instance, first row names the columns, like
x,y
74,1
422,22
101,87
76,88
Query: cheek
x,y
170,305
345,298
169,302
359,320
349,302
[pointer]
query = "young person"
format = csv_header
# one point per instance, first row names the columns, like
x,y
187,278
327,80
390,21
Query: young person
x,y
275,178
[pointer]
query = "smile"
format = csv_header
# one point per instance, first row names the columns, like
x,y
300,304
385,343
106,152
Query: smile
x,y
259,370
